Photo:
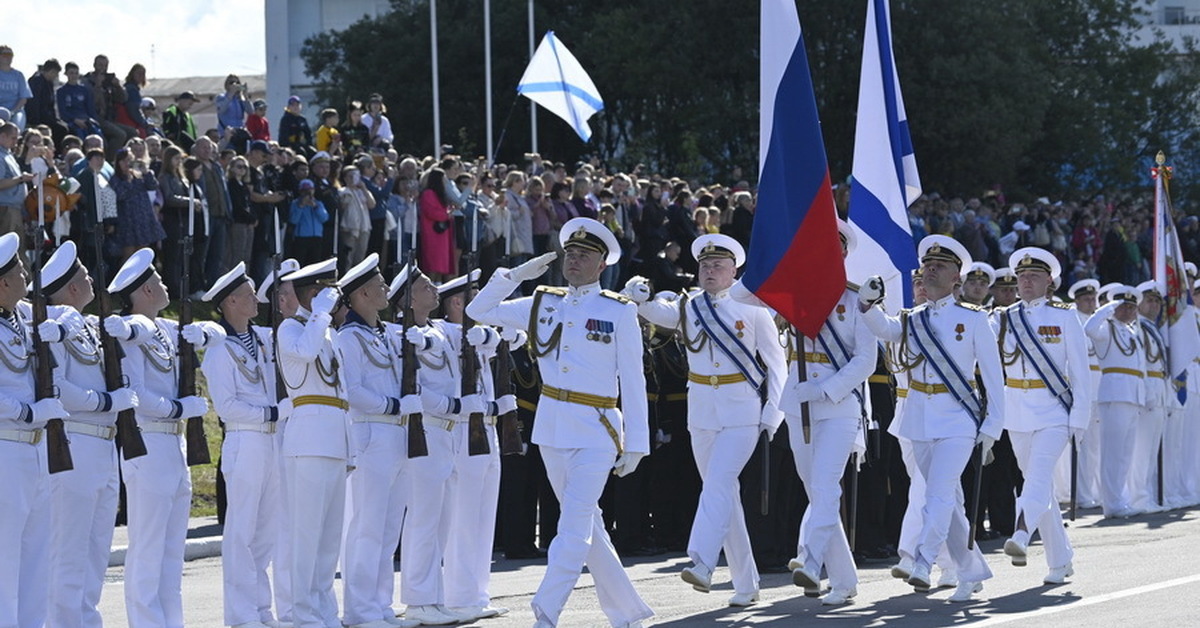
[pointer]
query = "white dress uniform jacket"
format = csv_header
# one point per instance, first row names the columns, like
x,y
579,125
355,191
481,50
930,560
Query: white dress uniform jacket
x,y
1029,403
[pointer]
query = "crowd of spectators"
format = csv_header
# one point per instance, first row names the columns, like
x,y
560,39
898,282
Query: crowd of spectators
x,y
348,189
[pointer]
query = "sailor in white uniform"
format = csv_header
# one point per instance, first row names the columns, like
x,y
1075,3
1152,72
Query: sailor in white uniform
x,y
84,500
1118,340
1083,294
25,491
725,339
589,349
1047,394
1160,400
977,282
377,490
158,486
943,343
315,444
241,383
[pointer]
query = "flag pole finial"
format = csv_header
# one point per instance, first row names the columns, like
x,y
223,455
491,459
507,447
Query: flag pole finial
x,y
1160,158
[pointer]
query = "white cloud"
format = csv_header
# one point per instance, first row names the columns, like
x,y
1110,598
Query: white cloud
x,y
204,38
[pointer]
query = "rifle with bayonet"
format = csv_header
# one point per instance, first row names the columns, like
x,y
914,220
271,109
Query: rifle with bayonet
x,y
276,314
129,435
477,436
58,449
417,447
197,442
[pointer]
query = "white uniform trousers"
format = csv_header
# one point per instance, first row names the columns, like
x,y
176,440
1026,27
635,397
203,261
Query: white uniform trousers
x,y
578,477
158,493
720,522
376,494
941,462
1191,445
25,528
316,500
423,542
1037,453
820,465
248,462
83,506
472,495
1143,470
914,519
1175,460
281,557
1117,420
1087,471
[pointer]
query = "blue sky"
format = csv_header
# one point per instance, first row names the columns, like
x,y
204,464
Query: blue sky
x,y
188,38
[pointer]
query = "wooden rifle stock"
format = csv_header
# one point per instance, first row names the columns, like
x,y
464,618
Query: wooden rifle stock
x,y
477,436
197,442
510,426
58,449
417,447
129,435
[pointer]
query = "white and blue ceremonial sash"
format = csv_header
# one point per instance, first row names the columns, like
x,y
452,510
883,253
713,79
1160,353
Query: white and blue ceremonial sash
x,y
957,383
1036,354
728,342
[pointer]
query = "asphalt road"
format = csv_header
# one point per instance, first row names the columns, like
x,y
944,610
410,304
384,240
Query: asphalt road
x,y
1143,571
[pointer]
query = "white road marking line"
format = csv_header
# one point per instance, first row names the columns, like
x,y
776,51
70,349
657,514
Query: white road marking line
x,y
1099,599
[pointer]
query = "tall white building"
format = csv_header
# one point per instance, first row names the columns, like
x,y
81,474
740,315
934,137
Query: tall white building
x,y
1175,19
289,23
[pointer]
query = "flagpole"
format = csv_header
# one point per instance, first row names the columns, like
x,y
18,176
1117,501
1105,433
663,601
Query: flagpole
x,y
487,73
433,46
533,136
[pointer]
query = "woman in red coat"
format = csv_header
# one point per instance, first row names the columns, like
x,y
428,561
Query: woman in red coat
x,y
437,228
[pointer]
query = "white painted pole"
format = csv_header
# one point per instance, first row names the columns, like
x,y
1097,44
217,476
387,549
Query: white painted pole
x,y
487,73
437,114
533,140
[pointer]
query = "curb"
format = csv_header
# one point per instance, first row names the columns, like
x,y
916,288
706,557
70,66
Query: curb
x,y
193,549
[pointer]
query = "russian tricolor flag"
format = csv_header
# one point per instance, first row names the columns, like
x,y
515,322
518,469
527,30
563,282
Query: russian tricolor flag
x,y
795,261
885,180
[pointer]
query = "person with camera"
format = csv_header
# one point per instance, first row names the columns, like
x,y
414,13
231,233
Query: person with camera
x,y
232,106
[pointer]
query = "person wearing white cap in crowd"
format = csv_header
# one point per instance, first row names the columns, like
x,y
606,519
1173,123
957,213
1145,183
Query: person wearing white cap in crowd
x,y
423,542
1084,295
158,486
589,348
942,344
83,501
241,383
725,341
1004,287
285,300
25,492
377,491
839,361
473,487
977,282
1118,340
315,443
1047,393
1160,400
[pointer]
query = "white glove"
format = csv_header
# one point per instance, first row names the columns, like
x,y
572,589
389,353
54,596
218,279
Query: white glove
x,y
872,291
986,442
506,404
416,337
433,402
193,406
203,334
795,393
51,331
1076,435
638,289
410,404
285,409
513,336
117,327
471,404
534,268
325,302
769,429
123,399
661,438
46,409
136,328
626,463
72,323
478,336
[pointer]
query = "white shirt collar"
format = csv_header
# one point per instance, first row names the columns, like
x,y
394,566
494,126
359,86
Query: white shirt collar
x,y
584,290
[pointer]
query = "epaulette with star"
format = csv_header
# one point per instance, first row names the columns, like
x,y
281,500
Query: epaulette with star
x,y
971,306
615,296
1060,305
557,291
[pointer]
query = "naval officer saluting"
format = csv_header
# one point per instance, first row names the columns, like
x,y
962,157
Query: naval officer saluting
x,y
589,349
942,343
725,340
